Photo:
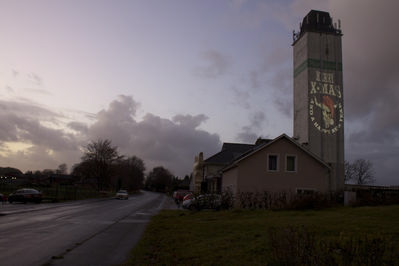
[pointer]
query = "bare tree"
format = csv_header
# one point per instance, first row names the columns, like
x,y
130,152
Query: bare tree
x,y
360,171
100,156
62,169
348,171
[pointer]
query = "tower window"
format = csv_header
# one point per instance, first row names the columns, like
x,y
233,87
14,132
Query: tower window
x,y
291,163
272,162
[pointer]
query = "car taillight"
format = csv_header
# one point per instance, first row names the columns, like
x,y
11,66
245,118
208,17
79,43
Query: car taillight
x,y
187,197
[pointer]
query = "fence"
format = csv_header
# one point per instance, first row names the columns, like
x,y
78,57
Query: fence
x,y
57,192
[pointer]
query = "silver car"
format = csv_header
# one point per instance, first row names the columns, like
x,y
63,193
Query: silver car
x,y
122,194
205,201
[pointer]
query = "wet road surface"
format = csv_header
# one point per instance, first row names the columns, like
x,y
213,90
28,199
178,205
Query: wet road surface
x,y
91,232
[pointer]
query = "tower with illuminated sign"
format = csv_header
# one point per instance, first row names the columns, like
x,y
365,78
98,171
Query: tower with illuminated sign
x,y
318,91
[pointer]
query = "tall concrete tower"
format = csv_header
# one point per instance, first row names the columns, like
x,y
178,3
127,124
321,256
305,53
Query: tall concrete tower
x,y
318,91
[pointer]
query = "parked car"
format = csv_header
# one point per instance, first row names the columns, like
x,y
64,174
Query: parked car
x,y
188,201
178,195
25,195
122,194
2,197
205,201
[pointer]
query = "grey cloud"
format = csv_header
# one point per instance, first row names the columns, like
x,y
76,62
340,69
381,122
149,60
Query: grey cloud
x,y
48,147
26,109
237,3
250,133
248,14
115,123
277,69
15,73
189,120
257,119
216,64
254,80
288,15
158,141
40,157
22,122
384,156
36,79
43,136
281,82
37,91
78,127
9,89
8,129
241,97
371,75
16,128
247,136
284,105
123,109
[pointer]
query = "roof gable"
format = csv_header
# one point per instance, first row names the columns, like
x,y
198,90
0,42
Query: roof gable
x,y
229,152
267,144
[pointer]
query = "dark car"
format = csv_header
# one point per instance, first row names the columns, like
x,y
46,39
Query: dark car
x,y
25,195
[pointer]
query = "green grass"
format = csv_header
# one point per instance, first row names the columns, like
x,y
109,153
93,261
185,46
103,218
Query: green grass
x,y
241,237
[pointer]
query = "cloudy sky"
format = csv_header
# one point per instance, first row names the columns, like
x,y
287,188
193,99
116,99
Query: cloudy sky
x,y
166,79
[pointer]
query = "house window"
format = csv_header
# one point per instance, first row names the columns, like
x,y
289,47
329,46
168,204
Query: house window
x,y
272,162
290,163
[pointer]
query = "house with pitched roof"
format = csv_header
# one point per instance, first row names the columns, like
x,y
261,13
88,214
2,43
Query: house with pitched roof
x,y
272,165
207,174
281,164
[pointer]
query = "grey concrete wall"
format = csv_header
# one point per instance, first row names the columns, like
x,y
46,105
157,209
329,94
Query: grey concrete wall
x,y
301,129
321,83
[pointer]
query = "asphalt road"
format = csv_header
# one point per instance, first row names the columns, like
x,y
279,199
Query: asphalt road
x,y
90,232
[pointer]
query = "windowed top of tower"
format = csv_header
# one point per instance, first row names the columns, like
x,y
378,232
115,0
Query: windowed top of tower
x,y
318,21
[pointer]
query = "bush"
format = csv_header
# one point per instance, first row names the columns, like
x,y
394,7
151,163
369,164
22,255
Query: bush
x,y
227,199
287,201
374,197
313,201
299,246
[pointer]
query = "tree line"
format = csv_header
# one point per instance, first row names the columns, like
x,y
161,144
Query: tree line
x,y
103,168
103,165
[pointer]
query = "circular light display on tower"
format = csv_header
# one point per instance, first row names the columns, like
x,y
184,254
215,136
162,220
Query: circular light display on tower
x,y
325,103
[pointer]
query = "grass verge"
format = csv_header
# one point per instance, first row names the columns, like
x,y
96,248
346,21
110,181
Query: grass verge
x,y
243,237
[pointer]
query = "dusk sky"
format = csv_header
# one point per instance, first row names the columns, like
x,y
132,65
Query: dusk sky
x,y
166,79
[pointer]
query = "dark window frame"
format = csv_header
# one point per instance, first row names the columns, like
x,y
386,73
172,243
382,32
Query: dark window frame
x,y
290,170
273,166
